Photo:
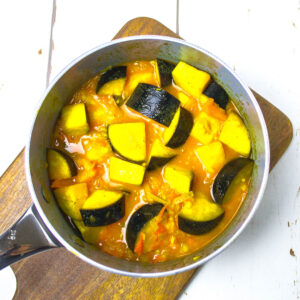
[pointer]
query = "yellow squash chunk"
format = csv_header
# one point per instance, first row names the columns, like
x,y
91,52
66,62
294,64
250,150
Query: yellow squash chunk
x,y
113,87
129,140
71,199
234,134
124,171
183,98
101,198
206,128
137,78
179,180
190,79
212,156
89,234
171,129
74,120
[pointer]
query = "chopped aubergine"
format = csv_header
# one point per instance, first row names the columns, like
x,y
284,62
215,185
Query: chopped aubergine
x,y
138,220
128,140
215,91
60,165
227,175
154,103
234,134
159,155
180,180
179,130
165,72
206,128
200,216
103,208
126,172
212,156
111,75
71,198
74,119
190,79
89,234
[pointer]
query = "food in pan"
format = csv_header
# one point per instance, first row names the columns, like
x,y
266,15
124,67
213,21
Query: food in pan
x,y
150,160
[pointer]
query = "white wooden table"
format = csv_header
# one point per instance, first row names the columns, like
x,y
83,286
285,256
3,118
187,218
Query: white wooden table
x,y
259,39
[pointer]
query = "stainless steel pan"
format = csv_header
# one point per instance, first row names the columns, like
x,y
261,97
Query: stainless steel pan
x,y
43,226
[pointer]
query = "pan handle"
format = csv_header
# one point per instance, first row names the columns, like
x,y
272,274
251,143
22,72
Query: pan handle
x,y
26,237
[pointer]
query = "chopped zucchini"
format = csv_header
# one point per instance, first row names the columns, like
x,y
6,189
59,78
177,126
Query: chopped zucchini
x,y
129,140
179,180
103,208
74,120
212,156
126,172
60,165
159,155
200,216
234,134
190,79
89,234
154,103
165,72
71,199
206,128
216,92
114,87
179,130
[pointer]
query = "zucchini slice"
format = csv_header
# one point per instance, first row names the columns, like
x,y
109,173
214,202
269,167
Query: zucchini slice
x,y
159,155
234,134
103,208
60,165
200,216
126,172
138,220
89,234
179,180
179,130
154,103
110,75
74,119
227,175
71,198
165,71
216,92
128,140
190,79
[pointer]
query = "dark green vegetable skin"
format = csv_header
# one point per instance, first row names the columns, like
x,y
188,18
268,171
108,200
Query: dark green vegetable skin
x,y
216,92
154,103
157,162
138,220
104,216
183,129
198,228
226,176
111,74
165,71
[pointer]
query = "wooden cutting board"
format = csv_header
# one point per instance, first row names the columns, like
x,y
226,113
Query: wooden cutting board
x,y
58,274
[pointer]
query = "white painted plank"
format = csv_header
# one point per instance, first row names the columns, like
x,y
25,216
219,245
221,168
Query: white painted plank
x,y
261,40
82,25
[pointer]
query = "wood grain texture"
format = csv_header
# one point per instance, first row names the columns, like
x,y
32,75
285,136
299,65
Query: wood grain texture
x,y
58,274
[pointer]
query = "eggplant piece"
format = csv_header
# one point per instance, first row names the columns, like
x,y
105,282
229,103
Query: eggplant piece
x,y
154,103
215,91
103,208
226,176
200,217
60,165
126,172
160,155
165,71
128,140
179,130
138,220
111,74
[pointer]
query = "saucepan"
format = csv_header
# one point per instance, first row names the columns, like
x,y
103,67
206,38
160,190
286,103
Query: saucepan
x,y
44,227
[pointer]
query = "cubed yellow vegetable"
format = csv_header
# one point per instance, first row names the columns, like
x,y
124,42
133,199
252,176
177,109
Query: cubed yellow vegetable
x,y
74,121
206,128
113,87
212,156
183,98
89,234
190,79
234,134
